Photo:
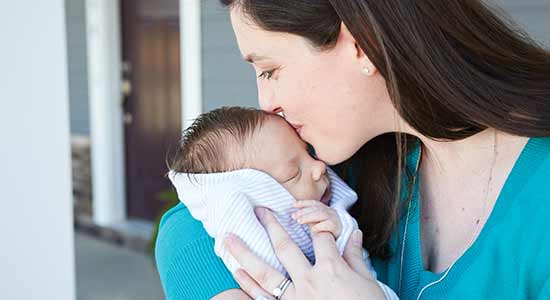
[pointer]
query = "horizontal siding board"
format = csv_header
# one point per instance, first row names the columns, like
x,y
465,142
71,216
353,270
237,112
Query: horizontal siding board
x,y
532,16
77,66
226,78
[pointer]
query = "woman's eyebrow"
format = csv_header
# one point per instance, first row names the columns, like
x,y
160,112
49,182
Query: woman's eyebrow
x,y
253,57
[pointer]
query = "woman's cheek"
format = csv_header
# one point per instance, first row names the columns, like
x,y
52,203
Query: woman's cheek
x,y
291,91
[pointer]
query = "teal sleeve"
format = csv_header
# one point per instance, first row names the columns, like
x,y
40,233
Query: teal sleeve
x,y
545,291
186,262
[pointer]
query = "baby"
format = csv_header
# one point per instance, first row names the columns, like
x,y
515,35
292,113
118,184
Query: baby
x,y
233,159
233,138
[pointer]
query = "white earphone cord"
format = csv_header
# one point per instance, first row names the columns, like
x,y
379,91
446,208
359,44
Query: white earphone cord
x,y
474,236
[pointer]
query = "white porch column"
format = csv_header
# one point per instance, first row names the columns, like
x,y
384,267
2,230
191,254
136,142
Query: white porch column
x,y
191,75
36,220
106,126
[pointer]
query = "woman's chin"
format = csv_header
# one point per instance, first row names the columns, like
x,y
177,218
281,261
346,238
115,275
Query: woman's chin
x,y
330,157
331,154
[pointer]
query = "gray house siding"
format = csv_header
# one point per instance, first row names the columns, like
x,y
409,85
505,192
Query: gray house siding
x,y
77,66
226,78
531,15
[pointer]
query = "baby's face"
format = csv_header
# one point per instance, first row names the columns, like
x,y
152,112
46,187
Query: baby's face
x,y
284,156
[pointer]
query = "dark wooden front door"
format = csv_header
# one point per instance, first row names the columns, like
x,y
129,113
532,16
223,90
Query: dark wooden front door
x,y
151,53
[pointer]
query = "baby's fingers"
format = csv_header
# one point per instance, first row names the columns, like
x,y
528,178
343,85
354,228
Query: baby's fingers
x,y
306,203
310,215
304,211
326,226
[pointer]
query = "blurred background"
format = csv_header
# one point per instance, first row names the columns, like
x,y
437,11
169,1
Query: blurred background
x,y
93,94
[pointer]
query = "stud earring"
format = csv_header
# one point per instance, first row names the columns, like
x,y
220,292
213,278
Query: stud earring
x,y
366,71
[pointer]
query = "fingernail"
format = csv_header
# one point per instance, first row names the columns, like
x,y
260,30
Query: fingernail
x,y
260,212
358,237
229,239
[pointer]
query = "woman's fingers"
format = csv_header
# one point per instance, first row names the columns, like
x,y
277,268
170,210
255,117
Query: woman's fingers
x,y
253,289
263,274
353,254
323,242
324,246
250,286
286,250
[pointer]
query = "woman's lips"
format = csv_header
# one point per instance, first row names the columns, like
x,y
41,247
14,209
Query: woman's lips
x,y
292,122
296,127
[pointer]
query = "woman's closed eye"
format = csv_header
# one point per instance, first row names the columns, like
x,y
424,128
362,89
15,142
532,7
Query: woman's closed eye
x,y
267,74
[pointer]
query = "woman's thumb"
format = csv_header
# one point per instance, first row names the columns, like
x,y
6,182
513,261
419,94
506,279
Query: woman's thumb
x,y
353,254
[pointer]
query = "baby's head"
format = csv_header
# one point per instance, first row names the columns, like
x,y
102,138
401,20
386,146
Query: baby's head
x,y
232,138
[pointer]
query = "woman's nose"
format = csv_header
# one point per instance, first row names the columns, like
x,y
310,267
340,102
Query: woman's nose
x,y
269,106
318,170
266,101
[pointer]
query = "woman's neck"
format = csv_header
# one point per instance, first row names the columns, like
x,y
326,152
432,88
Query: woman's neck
x,y
460,183
469,156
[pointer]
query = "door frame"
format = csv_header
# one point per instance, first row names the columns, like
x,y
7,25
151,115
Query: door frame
x,y
106,126
191,61
105,97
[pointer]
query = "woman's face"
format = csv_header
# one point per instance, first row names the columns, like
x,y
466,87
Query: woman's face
x,y
323,94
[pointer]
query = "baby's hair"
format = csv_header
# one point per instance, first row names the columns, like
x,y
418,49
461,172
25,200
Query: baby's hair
x,y
215,136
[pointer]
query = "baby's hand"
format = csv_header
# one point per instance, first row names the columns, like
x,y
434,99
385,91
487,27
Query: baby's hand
x,y
319,216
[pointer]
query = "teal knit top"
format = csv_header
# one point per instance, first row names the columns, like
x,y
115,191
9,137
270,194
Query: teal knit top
x,y
509,260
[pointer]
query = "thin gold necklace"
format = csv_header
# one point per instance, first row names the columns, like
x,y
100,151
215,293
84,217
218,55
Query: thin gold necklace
x,y
475,233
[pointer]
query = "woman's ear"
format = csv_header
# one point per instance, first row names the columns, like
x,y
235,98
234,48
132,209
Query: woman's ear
x,y
364,64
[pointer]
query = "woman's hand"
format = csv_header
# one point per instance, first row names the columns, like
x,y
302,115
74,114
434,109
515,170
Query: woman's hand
x,y
332,276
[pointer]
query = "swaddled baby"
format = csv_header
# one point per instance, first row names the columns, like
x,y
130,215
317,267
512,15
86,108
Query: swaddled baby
x,y
233,159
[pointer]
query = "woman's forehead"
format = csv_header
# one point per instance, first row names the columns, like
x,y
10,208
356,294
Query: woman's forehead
x,y
257,44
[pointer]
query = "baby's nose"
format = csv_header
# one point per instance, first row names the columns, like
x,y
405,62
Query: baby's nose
x,y
319,169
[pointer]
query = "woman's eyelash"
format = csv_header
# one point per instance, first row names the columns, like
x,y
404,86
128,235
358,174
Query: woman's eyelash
x,y
266,74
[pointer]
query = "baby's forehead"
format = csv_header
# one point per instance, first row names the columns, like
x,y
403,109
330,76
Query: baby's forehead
x,y
274,129
276,137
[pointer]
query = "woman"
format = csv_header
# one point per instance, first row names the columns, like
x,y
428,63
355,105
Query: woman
x,y
441,110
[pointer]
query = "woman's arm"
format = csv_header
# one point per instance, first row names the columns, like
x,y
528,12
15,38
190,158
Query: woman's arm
x,y
235,294
188,267
332,276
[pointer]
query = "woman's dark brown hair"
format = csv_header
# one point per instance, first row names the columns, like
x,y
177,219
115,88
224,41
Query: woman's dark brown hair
x,y
453,68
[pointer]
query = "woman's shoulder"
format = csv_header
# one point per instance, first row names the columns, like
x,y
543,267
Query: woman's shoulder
x,y
534,166
186,262
178,219
177,229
